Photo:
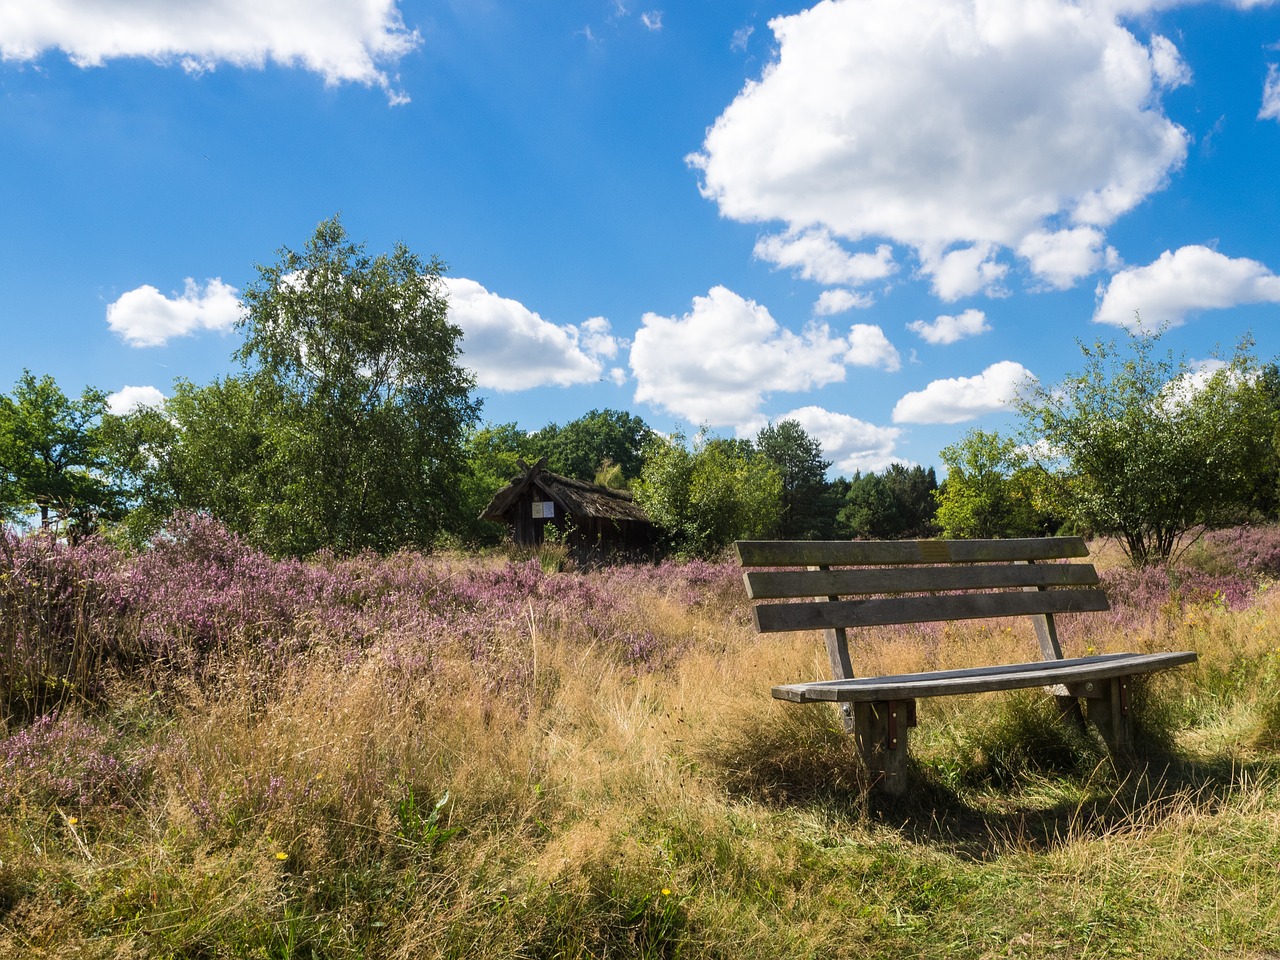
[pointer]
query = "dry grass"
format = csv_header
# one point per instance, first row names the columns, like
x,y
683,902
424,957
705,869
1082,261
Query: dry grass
x,y
545,800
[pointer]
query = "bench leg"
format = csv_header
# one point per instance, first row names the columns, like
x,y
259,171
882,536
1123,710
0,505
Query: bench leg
x,y
1108,709
881,732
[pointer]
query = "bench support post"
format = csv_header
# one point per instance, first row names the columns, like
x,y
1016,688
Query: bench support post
x,y
1051,649
841,665
881,731
1108,709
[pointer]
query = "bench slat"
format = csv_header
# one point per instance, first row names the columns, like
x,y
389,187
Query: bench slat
x,y
851,553
781,584
829,614
911,686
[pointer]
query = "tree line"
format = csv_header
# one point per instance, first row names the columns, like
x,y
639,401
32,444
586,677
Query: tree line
x,y
352,425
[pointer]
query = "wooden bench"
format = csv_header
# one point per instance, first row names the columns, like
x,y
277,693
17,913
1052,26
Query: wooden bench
x,y
843,584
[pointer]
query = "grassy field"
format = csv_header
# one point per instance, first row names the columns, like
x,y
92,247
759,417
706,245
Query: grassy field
x,y
212,754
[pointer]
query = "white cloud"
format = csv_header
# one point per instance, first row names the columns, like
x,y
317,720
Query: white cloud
x,y
946,329
512,348
1062,257
652,19
741,37
127,399
869,347
341,40
831,302
716,363
1170,69
814,255
144,317
1189,279
1271,95
966,271
945,124
963,398
850,444
597,339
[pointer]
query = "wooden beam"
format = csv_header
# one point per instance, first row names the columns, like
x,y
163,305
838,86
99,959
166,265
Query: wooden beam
x,y
1010,676
788,584
850,553
826,615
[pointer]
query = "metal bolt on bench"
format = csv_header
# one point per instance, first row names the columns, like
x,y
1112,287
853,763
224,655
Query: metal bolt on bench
x,y
837,585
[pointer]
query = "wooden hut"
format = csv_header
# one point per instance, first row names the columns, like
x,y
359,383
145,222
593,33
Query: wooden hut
x,y
593,521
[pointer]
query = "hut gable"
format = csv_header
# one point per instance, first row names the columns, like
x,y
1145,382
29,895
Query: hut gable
x,y
590,517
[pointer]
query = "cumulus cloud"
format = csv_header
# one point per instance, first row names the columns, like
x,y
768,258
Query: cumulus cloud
x,y
145,317
869,347
344,41
1181,282
963,398
850,444
831,302
945,329
1170,69
1061,257
128,399
955,128
966,271
716,363
1271,95
512,348
815,255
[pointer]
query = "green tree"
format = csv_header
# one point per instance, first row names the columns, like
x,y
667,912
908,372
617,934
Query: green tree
x,y
706,496
346,428
897,504
1148,450
52,457
581,447
990,490
358,362
808,509
492,453
870,511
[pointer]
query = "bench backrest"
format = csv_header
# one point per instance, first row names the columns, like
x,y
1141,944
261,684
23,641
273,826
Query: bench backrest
x,y
852,583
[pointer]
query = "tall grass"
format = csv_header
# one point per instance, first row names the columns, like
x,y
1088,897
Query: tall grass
x,y
209,753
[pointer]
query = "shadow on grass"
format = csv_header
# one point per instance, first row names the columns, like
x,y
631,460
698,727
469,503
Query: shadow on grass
x,y
1010,777
1044,814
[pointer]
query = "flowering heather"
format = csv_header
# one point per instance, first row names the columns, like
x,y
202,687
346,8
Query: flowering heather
x,y
203,605
62,760
1145,590
1253,550
56,621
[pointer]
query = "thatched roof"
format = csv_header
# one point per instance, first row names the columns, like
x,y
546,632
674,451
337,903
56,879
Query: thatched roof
x,y
575,497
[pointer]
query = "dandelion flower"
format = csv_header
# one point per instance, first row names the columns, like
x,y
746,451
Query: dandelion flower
x,y
666,891
73,820
282,855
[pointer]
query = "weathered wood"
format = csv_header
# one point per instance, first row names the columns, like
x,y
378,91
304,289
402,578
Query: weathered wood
x,y
1051,649
852,553
936,580
1109,712
1007,676
881,611
837,642
880,729
790,584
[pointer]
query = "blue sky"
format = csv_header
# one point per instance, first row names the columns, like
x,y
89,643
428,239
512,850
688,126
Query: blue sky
x,y
874,216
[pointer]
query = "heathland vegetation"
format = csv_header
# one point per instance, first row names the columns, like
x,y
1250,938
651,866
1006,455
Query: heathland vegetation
x,y
210,752
268,688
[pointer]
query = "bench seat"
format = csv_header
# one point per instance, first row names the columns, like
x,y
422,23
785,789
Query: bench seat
x,y
1073,674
